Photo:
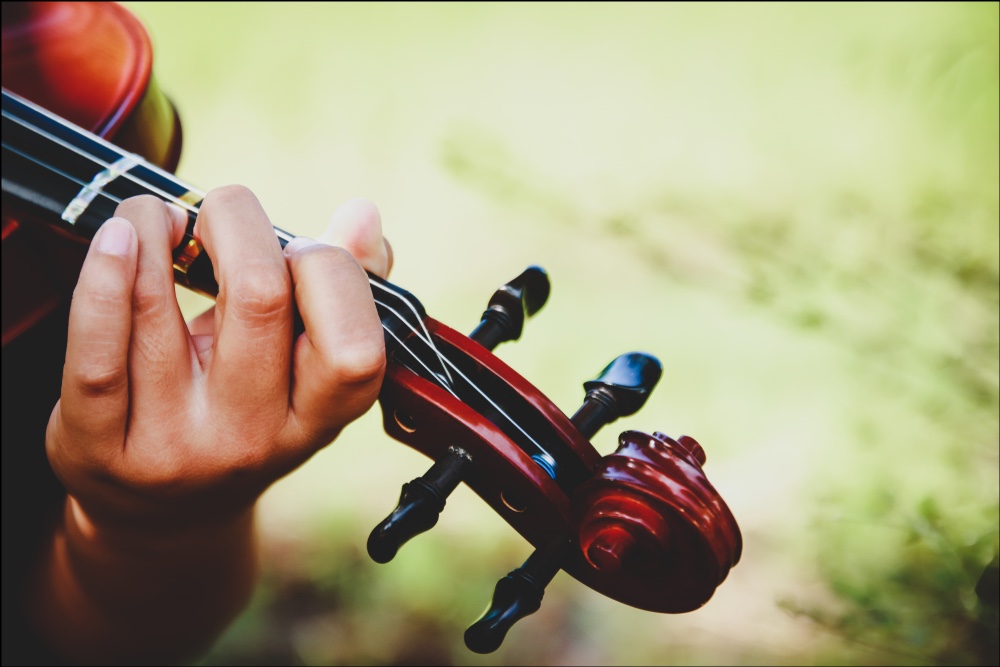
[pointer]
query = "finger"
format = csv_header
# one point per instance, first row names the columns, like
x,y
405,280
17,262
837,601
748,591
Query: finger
x,y
251,356
340,359
203,324
389,258
202,330
160,368
93,408
357,226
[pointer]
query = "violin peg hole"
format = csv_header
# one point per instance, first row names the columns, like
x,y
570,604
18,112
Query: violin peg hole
x,y
512,502
404,421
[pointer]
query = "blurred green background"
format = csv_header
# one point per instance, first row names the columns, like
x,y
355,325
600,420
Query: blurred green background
x,y
794,206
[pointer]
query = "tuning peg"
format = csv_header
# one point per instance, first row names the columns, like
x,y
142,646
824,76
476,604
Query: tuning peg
x,y
620,390
510,306
517,595
420,504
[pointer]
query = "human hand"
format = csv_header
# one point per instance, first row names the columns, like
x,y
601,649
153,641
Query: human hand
x,y
164,426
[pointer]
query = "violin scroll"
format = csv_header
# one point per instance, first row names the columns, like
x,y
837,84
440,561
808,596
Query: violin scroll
x,y
650,517
642,525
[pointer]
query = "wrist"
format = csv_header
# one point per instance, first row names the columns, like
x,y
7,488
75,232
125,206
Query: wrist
x,y
156,533
162,591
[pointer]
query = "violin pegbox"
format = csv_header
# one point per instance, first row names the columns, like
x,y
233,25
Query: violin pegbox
x,y
642,525
422,500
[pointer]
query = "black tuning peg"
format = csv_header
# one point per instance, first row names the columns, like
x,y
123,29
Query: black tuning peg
x,y
620,390
420,504
510,306
517,595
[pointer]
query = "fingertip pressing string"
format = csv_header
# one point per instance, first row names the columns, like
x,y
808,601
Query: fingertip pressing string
x,y
189,202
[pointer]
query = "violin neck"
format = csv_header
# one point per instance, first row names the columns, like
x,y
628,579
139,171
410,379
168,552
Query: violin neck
x,y
60,174
63,175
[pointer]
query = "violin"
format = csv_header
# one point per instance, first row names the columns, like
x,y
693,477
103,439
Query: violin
x,y
641,525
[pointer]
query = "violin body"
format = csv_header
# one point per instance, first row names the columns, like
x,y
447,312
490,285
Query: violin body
x,y
641,525
92,64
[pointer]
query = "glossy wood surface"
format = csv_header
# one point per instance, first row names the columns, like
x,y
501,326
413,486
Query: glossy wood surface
x,y
650,520
649,504
90,63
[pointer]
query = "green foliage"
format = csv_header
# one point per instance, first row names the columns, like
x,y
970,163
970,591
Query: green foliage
x,y
918,603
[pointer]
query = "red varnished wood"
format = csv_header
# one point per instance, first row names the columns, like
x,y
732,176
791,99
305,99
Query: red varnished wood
x,y
424,416
538,401
651,522
87,62
651,531
90,63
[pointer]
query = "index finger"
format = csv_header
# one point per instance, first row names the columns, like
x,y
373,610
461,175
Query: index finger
x,y
94,400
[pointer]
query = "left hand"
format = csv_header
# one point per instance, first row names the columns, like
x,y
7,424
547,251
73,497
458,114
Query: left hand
x,y
171,424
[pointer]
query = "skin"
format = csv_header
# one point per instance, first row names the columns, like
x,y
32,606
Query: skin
x,y
167,433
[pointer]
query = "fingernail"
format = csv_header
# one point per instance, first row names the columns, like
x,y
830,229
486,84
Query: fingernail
x,y
115,237
298,243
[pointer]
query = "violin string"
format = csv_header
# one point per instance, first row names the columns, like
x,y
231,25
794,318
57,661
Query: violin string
x,y
428,341
427,334
84,154
58,120
496,407
434,376
183,204
385,305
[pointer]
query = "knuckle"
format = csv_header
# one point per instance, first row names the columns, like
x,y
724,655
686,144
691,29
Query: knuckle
x,y
149,295
99,377
259,294
357,366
